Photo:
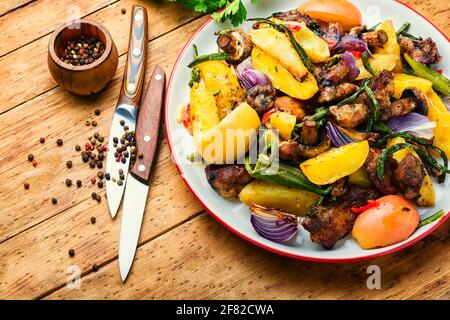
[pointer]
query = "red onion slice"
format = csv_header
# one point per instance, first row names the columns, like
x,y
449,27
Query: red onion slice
x,y
414,123
250,77
349,59
352,43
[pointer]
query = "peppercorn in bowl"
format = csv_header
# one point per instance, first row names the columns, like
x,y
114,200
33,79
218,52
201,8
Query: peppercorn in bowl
x,y
82,57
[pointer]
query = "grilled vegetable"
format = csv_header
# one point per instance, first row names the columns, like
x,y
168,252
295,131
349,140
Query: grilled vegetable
x,y
403,81
284,123
229,139
269,195
440,82
360,178
282,79
222,82
391,46
378,62
439,114
335,164
204,114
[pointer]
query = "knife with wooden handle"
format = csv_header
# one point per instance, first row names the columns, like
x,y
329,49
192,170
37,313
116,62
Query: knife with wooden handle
x,y
128,103
147,140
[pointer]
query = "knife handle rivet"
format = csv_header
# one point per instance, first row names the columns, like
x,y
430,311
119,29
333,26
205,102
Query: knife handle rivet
x,y
131,87
136,52
147,138
158,77
141,168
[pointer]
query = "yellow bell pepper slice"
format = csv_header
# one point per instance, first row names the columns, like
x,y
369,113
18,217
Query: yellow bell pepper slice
x,y
204,114
439,114
378,62
391,46
284,123
403,81
281,78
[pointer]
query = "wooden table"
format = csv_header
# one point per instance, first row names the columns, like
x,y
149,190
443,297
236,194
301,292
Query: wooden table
x,y
183,252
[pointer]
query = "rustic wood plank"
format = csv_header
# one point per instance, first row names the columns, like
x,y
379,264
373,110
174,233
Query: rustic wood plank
x,y
177,265
435,11
24,79
37,19
7,6
53,115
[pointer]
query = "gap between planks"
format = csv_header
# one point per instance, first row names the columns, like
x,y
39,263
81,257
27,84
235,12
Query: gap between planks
x,y
20,6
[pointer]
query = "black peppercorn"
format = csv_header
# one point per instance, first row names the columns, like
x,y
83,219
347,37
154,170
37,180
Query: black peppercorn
x,y
69,164
100,183
123,10
54,200
99,199
141,155
100,175
95,267
107,176
26,185
42,140
123,160
116,140
87,123
71,252
93,220
92,164
59,142
77,148
68,182
79,183
97,112
96,135
85,157
94,123
99,164
30,157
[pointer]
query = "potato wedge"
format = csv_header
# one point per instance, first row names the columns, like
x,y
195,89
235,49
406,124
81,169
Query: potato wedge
x,y
439,114
379,62
279,46
403,81
284,123
282,79
335,164
223,83
204,114
360,178
290,200
230,139
391,46
427,194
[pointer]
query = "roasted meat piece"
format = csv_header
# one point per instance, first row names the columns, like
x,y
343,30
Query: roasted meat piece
x,y
295,15
331,223
261,98
336,93
340,187
388,185
333,35
423,51
333,75
375,39
410,174
227,180
349,115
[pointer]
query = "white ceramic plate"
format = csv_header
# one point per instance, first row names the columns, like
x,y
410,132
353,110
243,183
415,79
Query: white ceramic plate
x,y
234,215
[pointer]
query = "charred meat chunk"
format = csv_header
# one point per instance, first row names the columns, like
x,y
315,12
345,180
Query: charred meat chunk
x,y
375,39
333,75
423,51
237,44
288,150
410,174
227,180
411,100
295,15
340,187
388,184
333,35
349,115
261,98
336,93
331,223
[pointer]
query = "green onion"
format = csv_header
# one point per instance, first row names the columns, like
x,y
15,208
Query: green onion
x,y
321,112
381,127
376,104
195,73
312,210
440,82
403,28
287,176
393,149
369,124
354,96
431,218
333,60
209,57
366,63
297,46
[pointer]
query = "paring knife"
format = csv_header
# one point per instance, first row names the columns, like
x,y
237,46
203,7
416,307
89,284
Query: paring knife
x,y
147,138
128,103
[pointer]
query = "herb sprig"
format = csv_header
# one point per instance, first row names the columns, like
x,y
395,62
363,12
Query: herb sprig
x,y
233,10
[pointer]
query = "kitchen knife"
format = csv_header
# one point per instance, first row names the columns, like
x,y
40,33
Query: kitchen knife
x,y
127,105
147,137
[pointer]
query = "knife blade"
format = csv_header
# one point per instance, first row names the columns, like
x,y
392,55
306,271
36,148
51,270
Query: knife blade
x,y
147,139
127,108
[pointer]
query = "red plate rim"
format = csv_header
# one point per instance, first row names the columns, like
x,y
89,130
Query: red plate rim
x,y
255,242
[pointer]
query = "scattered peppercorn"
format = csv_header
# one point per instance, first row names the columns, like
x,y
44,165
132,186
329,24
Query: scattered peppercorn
x,y
100,183
100,175
59,142
123,10
107,176
97,112
68,182
85,157
95,267
26,185
94,123
99,199
126,128
141,155
93,220
71,252
30,157
119,182
54,200
124,160
87,123
34,162
69,164
79,183
94,195
122,122
42,140
92,164
77,148
93,180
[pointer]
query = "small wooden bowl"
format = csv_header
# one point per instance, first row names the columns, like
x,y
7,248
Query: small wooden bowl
x,y
87,79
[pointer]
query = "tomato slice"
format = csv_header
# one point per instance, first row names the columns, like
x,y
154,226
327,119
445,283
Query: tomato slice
x,y
267,115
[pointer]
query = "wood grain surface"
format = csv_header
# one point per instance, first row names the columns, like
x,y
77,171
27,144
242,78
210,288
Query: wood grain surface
x,y
182,251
